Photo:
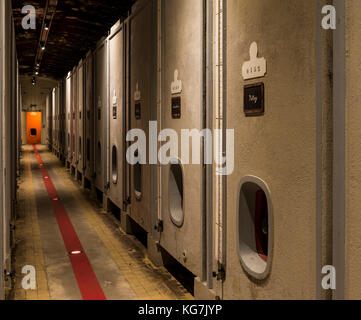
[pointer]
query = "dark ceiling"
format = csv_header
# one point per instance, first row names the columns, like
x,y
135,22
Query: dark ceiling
x,y
76,28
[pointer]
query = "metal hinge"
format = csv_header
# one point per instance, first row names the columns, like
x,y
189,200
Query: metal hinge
x,y
221,274
126,203
160,226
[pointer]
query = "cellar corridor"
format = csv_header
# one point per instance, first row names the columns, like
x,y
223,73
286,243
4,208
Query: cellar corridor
x,y
118,262
188,150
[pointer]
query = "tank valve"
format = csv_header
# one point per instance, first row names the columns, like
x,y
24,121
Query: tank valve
x,y
159,227
185,256
9,277
126,203
221,275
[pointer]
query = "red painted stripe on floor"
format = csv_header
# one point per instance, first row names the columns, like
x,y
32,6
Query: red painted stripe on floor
x,y
87,281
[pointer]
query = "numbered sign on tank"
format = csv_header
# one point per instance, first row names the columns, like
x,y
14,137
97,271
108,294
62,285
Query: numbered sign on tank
x,y
255,67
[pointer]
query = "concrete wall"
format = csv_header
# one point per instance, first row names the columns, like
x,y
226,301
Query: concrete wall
x,y
9,113
352,111
2,103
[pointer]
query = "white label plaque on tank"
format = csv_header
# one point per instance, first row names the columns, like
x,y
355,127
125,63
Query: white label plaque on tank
x,y
137,94
176,87
114,98
255,67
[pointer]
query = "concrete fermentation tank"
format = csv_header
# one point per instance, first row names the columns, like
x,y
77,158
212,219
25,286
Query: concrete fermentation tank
x,y
73,120
80,162
274,79
62,119
9,110
100,96
116,119
142,107
68,115
57,120
183,108
54,120
48,122
89,112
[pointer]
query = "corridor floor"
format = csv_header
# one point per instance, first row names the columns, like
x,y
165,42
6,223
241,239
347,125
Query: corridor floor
x,y
116,261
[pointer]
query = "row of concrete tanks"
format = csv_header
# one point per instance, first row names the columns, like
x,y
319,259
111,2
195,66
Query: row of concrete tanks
x,y
114,90
260,232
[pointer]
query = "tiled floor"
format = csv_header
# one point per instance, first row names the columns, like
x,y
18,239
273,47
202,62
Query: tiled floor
x,y
118,261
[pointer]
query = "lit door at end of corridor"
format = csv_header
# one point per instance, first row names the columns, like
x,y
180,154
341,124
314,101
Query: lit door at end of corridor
x,y
33,127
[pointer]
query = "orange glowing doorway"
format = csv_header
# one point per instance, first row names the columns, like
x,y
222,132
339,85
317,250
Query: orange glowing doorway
x,y
33,127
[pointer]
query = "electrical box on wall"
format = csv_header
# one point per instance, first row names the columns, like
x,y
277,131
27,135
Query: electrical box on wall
x,y
254,100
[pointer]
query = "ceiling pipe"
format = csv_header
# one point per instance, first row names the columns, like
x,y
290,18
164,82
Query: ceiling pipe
x,y
48,17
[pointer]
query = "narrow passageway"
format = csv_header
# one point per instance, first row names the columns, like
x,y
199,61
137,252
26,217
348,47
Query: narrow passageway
x,y
56,219
195,150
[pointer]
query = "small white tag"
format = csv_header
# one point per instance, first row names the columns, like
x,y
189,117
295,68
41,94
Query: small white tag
x,y
176,86
99,102
137,94
114,98
255,67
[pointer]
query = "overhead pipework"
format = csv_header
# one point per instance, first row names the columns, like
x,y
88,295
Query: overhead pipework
x,y
65,31
48,17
